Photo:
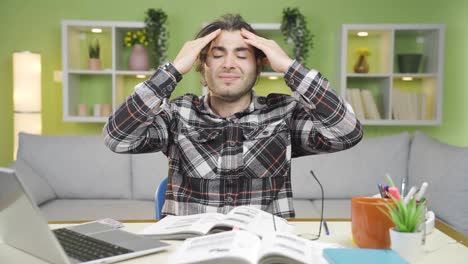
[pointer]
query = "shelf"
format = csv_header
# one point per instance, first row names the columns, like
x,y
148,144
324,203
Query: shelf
x,y
400,98
86,90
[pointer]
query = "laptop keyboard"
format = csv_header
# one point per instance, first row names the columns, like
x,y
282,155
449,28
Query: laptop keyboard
x,y
86,248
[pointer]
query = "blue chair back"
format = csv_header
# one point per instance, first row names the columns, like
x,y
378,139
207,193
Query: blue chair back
x,y
160,197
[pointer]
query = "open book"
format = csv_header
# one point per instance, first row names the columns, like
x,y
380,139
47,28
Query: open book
x,y
244,247
243,217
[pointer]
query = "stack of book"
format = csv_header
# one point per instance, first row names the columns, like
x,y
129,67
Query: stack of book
x,y
409,106
363,103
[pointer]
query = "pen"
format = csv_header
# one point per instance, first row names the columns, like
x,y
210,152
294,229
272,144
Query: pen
x,y
381,190
421,192
403,187
327,231
410,194
394,193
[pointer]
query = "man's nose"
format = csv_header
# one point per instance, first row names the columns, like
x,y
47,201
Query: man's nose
x,y
229,61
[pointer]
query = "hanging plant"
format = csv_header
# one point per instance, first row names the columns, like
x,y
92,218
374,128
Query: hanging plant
x,y
157,34
294,30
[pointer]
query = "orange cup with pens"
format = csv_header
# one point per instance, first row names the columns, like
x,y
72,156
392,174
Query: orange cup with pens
x,y
369,224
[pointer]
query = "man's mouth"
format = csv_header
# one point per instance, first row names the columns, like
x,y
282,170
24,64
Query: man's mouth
x,y
229,77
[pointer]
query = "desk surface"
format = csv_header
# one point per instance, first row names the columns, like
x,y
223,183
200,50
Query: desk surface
x,y
439,247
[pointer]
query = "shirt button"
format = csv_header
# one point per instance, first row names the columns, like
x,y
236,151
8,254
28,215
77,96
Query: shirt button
x,y
229,199
232,143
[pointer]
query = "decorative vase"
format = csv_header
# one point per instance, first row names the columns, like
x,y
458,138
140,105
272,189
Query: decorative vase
x,y
94,64
361,65
409,63
407,245
138,60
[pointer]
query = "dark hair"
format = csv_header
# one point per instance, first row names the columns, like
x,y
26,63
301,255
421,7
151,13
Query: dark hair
x,y
228,22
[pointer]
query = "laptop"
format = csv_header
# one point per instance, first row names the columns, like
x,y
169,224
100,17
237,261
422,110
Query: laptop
x,y
22,226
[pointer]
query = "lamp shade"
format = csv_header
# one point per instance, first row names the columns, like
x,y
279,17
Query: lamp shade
x,y
26,94
27,82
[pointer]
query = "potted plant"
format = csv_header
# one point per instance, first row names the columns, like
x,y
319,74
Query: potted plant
x,y
137,40
408,217
94,62
157,34
295,31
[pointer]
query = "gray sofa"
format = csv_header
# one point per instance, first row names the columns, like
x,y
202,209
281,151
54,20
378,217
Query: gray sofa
x,y
78,178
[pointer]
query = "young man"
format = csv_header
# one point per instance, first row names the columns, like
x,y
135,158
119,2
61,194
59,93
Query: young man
x,y
231,147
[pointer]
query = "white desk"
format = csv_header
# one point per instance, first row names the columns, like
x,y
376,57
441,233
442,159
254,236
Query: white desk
x,y
439,247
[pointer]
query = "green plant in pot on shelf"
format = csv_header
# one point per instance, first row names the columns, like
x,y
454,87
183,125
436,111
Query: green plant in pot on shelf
x,y
295,31
94,49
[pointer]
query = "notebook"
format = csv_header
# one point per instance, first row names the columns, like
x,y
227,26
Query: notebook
x,y
362,256
22,226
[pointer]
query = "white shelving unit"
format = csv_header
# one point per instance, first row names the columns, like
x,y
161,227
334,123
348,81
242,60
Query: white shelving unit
x,y
112,83
400,98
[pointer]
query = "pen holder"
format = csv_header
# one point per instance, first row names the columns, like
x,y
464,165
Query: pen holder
x,y
369,224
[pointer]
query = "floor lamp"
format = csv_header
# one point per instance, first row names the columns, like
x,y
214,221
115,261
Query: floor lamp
x,y
26,94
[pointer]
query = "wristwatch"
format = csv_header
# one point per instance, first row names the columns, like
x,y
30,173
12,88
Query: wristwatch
x,y
169,68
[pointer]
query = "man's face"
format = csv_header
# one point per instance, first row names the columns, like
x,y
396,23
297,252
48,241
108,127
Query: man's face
x,y
230,67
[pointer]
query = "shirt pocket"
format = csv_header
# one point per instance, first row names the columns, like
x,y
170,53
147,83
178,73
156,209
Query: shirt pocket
x,y
267,150
199,149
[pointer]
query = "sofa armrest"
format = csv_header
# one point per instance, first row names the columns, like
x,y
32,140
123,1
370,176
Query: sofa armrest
x,y
35,185
445,168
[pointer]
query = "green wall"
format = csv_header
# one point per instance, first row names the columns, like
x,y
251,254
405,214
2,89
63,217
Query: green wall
x,y
35,25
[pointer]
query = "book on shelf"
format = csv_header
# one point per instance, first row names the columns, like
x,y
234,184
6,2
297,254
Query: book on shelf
x,y
356,102
243,217
409,106
363,103
242,247
369,105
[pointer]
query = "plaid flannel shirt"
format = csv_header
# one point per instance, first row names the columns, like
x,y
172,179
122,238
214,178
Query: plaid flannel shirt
x,y
218,163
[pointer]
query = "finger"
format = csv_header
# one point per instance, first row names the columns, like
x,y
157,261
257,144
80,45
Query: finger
x,y
249,35
208,38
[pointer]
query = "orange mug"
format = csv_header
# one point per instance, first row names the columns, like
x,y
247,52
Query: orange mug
x,y
370,226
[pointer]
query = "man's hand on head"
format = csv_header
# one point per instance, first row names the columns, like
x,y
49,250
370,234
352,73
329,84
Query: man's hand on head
x,y
189,52
279,60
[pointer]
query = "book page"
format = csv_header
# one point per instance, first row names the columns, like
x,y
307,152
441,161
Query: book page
x,y
227,247
290,248
179,227
254,220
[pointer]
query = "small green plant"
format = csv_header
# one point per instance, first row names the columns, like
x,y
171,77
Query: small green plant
x,y
407,217
294,29
94,49
157,34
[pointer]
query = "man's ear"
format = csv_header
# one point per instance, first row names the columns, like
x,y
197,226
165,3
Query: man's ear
x,y
259,66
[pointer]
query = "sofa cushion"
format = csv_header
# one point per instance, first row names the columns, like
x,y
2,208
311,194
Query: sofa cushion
x,y
68,209
353,172
34,184
445,168
77,166
148,170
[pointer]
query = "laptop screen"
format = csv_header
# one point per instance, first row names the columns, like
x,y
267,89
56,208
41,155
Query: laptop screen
x,y
21,223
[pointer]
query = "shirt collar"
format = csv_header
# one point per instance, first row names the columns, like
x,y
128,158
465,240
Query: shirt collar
x,y
258,102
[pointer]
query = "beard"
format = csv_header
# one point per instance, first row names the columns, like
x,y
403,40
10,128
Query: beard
x,y
230,91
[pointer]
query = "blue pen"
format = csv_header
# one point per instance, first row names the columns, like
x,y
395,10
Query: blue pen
x,y
327,231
